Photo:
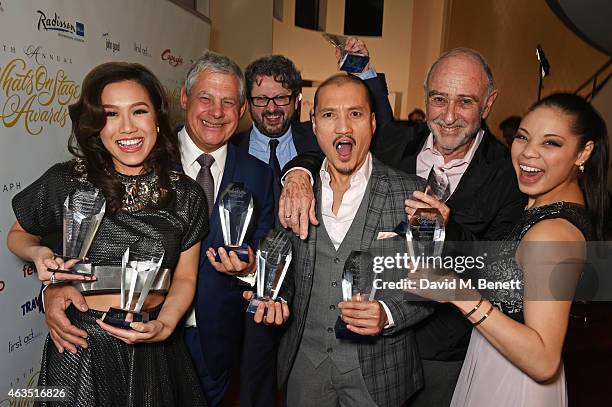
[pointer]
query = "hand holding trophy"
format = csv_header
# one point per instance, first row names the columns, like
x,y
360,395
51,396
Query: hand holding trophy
x,y
426,226
235,211
139,267
273,259
351,53
83,213
355,288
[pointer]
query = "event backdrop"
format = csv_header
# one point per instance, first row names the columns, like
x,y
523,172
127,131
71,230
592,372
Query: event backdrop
x,y
46,48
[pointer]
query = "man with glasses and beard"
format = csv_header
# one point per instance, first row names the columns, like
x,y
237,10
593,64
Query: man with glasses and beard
x,y
274,92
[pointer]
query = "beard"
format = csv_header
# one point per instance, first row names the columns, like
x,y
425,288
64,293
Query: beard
x,y
272,131
450,144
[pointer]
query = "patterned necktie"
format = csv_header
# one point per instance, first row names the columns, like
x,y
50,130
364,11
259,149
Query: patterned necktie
x,y
276,171
205,179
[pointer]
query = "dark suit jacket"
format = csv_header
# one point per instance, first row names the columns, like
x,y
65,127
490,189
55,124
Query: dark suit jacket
x,y
484,206
303,137
390,364
219,306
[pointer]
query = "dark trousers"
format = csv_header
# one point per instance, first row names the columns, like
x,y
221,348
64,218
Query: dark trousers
x,y
214,387
257,367
439,380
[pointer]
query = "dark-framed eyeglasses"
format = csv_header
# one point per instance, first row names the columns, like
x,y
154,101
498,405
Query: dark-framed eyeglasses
x,y
262,101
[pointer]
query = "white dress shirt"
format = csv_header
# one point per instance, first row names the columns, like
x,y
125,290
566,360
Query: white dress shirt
x,y
337,225
189,155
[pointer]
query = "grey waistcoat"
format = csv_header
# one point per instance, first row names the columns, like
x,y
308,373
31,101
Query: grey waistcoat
x,y
319,339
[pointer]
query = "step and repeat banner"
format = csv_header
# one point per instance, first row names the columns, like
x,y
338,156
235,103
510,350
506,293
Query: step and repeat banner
x,y
46,48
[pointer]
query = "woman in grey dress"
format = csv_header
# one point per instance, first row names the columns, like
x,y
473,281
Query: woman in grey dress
x,y
560,155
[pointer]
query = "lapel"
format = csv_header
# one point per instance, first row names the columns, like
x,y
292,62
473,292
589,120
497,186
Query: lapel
x,y
303,138
421,135
474,175
379,190
242,140
298,139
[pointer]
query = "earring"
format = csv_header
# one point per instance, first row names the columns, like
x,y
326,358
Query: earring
x,y
581,167
158,128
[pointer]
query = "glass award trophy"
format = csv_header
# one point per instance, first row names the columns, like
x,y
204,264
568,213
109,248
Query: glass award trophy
x,y
355,286
139,266
273,259
235,211
349,61
426,231
83,213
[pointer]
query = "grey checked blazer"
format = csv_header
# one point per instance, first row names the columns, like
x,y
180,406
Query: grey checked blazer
x,y
390,364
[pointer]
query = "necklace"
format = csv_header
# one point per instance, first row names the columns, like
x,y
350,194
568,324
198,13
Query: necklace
x,y
141,191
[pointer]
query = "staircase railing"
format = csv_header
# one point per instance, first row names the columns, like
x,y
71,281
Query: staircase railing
x,y
589,88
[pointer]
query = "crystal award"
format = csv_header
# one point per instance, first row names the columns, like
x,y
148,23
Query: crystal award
x,y
349,61
273,259
355,287
139,266
426,231
235,211
83,213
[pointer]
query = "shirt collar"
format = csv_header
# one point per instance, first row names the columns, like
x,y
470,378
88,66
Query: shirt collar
x,y
263,141
468,156
362,174
190,152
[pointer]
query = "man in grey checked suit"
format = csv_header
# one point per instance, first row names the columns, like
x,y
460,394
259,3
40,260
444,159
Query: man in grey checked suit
x,y
358,197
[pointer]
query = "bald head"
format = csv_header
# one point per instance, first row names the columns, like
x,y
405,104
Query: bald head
x,y
340,80
459,93
465,54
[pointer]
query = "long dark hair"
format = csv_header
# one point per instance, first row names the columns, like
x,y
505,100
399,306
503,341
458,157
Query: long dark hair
x,y
88,119
588,125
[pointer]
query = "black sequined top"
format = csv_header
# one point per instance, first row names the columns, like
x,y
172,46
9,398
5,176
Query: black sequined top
x,y
180,225
505,268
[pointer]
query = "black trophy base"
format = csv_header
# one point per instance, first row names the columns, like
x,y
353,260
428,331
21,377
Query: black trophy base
x,y
81,268
254,303
342,332
121,318
241,251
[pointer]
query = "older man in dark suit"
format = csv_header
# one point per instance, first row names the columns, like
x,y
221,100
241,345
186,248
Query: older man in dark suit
x,y
359,197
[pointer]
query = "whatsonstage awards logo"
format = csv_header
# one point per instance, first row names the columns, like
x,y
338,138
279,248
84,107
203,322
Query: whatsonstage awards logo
x,y
35,96
64,28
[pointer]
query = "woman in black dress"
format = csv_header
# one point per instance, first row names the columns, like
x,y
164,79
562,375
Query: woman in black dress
x,y
123,146
560,155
